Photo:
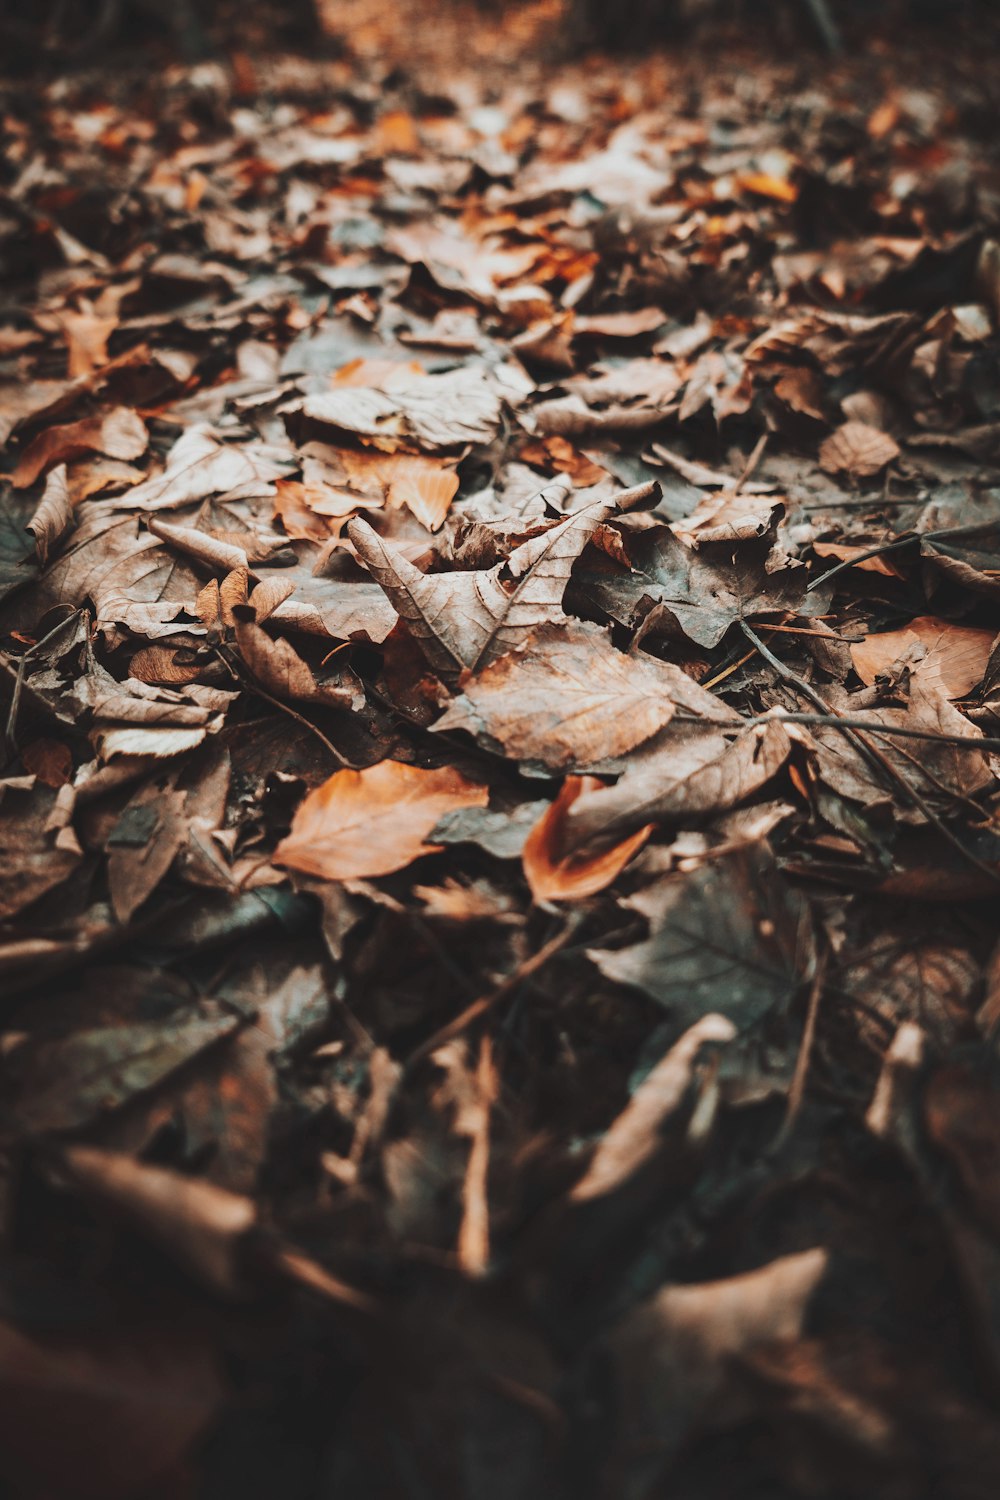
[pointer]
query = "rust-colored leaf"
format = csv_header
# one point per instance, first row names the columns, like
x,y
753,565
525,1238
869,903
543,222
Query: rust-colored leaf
x,y
118,433
364,823
557,873
953,656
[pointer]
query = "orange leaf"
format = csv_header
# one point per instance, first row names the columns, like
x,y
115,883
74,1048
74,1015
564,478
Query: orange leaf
x,y
763,185
955,656
555,875
293,509
377,372
371,822
845,553
424,485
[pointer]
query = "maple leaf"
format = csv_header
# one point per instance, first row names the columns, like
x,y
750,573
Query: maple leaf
x,y
705,590
466,620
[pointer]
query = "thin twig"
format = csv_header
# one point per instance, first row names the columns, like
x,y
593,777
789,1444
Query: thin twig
x,y
254,686
860,557
844,723
796,1092
750,467
487,1003
894,546
873,755
728,671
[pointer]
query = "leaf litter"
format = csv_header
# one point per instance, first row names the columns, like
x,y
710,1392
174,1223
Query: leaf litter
x,y
499,816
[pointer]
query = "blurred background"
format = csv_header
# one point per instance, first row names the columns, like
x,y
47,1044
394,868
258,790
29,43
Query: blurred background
x,y
64,33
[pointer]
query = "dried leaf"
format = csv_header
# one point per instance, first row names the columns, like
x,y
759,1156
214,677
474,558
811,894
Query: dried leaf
x,y
732,937
689,771
705,590
955,657
566,698
199,465
436,411
635,1138
365,823
54,515
855,448
279,669
555,874
119,433
466,620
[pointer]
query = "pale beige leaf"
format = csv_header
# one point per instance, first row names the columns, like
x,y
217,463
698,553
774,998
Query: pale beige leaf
x,y
199,465
54,515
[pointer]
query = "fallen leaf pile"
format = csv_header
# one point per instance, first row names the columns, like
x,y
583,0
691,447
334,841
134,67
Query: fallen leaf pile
x,y
500,822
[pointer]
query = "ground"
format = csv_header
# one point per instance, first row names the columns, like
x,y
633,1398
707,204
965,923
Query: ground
x,y
499,822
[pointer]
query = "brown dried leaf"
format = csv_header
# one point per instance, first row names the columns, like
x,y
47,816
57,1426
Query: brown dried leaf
x,y
567,698
50,760
675,1354
728,518
689,771
844,553
280,670
198,465
955,657
118,433
855,448
159,665
636,1137
622,325
54,515
371,822
437,411
466,620
142,844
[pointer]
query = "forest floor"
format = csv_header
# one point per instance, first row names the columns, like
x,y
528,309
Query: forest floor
x,y
500,824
